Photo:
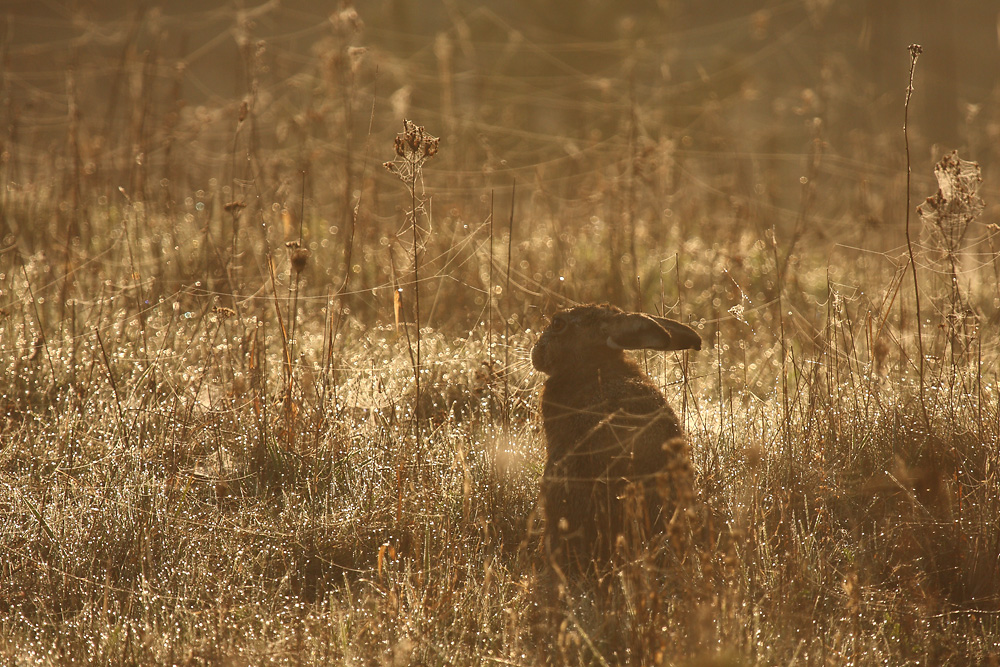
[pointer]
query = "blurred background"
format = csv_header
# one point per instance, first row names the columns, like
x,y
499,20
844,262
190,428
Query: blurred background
x,y
617,121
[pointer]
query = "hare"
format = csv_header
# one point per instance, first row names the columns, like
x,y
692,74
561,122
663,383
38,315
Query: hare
x,y
617,465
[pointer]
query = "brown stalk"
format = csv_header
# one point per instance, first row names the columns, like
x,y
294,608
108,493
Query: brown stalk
x,y
915,51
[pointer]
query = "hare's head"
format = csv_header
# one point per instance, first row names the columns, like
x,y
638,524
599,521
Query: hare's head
x,y
591,335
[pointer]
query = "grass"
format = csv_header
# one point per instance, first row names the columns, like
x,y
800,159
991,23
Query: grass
x,y
215,451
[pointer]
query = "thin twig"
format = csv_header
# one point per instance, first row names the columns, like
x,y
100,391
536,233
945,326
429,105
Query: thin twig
x,y
489,309
915,51
779,278
506,319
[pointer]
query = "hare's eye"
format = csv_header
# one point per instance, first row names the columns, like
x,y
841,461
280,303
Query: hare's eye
x,y
558,324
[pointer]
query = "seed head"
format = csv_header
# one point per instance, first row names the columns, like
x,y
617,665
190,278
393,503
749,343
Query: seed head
x,y
413,146
299,258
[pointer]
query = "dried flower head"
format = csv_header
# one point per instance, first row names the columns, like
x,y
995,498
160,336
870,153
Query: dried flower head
x,y
948,214
413,146
299,258
223,312
299,255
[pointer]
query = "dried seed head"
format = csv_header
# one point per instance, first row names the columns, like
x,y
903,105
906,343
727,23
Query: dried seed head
x,y
413,146
414,137
300,256
223,312
431,147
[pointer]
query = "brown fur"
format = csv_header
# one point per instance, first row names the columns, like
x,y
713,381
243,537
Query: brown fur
x,y
610,435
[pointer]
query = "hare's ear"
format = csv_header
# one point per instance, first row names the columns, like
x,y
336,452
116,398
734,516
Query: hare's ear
x,y
634,331
683,336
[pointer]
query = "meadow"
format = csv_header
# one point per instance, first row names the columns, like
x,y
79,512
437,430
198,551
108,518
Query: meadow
x,y
265,330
